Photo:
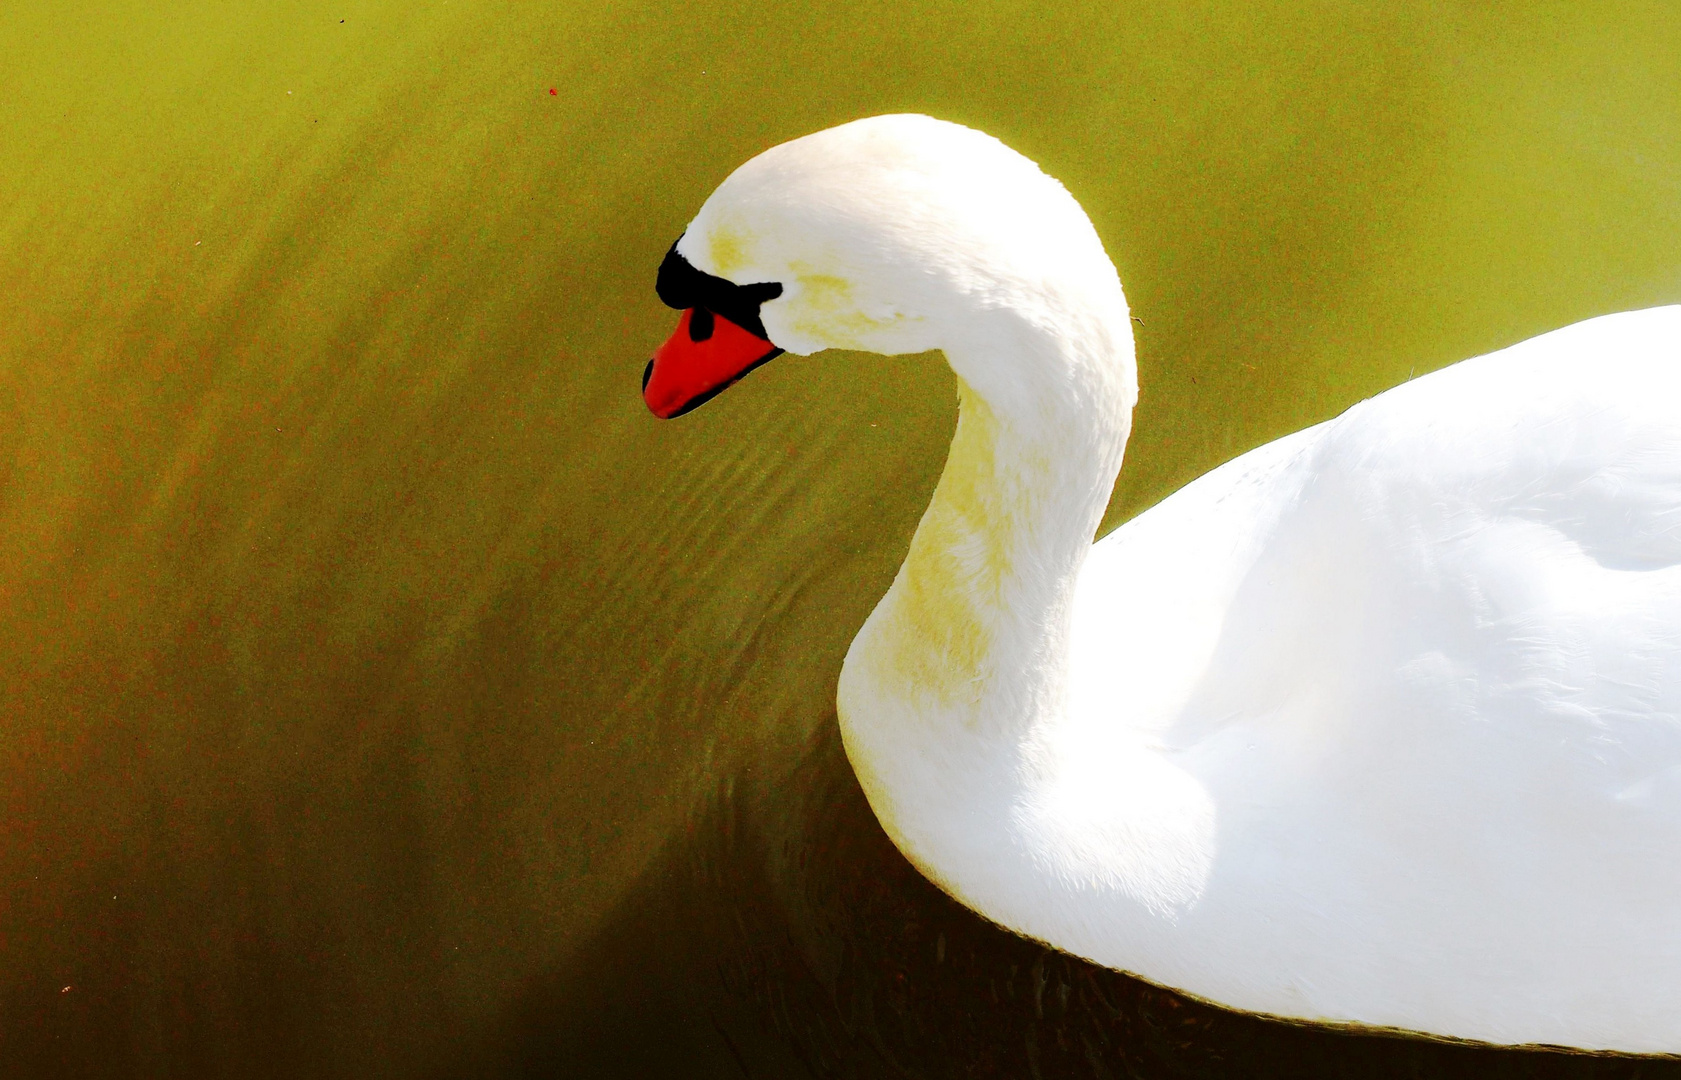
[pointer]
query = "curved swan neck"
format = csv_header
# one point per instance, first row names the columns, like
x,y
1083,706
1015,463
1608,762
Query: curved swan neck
x,y
975,625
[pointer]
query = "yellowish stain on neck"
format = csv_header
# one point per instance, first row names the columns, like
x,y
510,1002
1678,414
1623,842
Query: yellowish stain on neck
x,y
727,246
937,630
826,310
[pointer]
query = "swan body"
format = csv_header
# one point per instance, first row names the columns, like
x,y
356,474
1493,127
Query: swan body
x,y
1379,723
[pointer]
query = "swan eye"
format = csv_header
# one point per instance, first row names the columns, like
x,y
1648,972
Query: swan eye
x,y
681,286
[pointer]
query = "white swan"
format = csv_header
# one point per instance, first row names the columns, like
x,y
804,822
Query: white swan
x,y
1379,723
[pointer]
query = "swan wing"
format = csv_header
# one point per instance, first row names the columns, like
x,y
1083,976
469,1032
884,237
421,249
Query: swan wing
x,y
1413,677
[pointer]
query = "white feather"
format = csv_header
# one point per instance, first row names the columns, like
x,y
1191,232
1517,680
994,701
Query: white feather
x,y
1379,723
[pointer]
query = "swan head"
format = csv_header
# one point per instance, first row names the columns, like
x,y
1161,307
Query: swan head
x,y
893,234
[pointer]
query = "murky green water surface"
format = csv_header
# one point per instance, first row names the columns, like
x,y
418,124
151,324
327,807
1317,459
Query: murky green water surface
x,y
385,693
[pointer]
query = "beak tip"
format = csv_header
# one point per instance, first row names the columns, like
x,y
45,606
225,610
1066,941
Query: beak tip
x,y
659,409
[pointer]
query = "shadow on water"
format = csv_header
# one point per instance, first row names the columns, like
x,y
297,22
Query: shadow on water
x,y
810,948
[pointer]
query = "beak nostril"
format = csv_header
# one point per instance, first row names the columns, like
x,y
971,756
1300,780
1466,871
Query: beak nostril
x,y
700,324
647,373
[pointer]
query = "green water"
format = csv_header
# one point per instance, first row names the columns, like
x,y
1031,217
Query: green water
x,y
387,694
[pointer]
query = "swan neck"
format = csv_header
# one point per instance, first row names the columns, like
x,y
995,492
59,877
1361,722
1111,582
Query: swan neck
x,y
975,626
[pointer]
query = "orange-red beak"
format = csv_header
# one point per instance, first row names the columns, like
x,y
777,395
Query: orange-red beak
x,y
701,360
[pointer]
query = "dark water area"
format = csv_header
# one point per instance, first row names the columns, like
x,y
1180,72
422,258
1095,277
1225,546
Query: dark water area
x,y
384,693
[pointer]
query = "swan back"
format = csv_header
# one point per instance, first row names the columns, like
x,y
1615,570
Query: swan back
x,y
1415,676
